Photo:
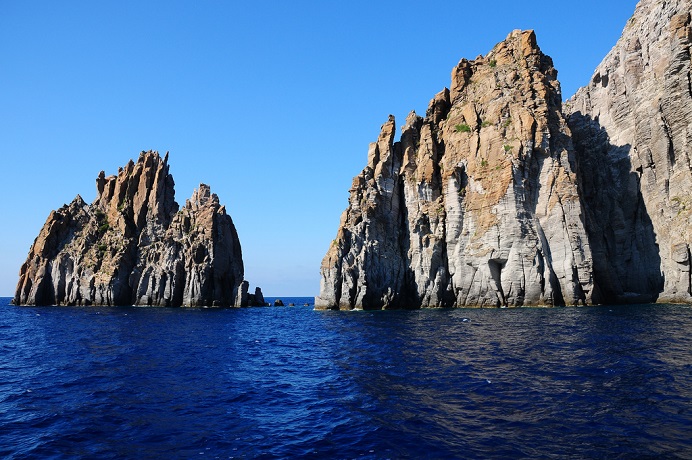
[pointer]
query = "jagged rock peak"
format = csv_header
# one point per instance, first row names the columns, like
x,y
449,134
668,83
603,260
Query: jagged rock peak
x,y
133,245
144,190
201,197
519,50
476,205
632,126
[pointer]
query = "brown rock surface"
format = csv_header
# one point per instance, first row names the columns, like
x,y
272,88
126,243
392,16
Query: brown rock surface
x,y
476,205
134,246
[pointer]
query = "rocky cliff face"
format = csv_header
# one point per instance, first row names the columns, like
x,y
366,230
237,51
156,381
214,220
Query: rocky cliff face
x,y
134,246
492,200
476,205
632,127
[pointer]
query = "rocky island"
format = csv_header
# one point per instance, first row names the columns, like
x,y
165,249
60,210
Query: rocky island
x,y
503,196
135,246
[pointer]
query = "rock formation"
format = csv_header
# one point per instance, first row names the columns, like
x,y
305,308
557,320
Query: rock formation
x,y
476,205
134,246
492,200
632,127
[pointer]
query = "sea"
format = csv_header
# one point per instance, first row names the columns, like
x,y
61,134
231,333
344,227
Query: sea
x,y
292,382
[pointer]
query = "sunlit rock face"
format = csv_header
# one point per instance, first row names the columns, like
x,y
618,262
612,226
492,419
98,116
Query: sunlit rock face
x,y
495,198
632,126
476,205
134,246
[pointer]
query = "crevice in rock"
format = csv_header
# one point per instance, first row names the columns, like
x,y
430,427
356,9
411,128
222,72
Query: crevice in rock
x,y
496,266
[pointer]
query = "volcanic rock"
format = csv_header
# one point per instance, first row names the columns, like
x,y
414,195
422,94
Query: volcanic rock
x,y
476,205
492,200
134,246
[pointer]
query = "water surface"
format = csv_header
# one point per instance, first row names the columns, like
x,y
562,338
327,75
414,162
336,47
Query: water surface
x,y
128,382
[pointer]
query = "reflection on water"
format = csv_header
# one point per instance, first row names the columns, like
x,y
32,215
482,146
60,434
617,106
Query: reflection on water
x,y
292,382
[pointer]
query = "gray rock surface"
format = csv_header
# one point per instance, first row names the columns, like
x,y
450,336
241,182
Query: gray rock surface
x,y
134,246
632,127
476,205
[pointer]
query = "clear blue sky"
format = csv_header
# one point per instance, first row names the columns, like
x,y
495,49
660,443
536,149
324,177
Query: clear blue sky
x,y
271,103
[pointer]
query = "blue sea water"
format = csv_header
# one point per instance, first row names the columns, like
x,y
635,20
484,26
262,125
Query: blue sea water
x,y
92,382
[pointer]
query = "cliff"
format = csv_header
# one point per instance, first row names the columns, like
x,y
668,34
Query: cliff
x,y
476,205
502,197
632,126
134,246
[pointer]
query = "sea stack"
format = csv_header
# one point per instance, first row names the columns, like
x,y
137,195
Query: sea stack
x,y
476,205
134,246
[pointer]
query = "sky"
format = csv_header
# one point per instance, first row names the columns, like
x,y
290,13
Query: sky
x,y
271,103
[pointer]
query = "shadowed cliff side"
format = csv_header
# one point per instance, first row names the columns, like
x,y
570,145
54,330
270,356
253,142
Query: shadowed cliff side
x,y
134,246
633,128
627,263
476,205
